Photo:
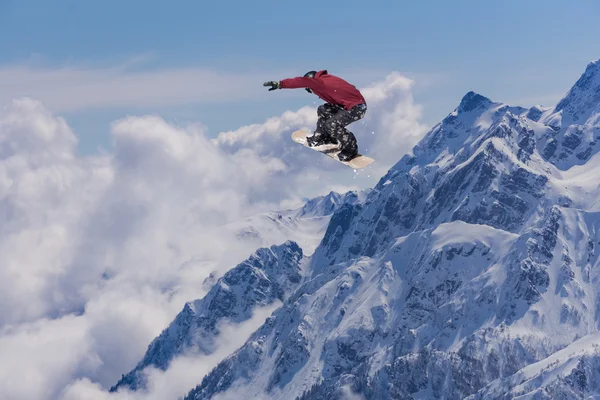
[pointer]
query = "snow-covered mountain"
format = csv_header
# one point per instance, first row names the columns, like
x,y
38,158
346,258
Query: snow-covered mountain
x,y
305,225
267,276
574,122
469,271
570,373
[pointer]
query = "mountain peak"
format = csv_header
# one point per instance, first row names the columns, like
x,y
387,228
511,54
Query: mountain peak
x,y
584,95
472,101
592,69
322,205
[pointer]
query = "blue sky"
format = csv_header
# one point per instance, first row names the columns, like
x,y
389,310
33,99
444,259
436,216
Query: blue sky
x,y
521,52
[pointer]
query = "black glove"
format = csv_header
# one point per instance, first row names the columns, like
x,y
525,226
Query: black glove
x,y
274,85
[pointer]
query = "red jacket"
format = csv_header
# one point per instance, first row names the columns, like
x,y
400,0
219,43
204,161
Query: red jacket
x,y
329,88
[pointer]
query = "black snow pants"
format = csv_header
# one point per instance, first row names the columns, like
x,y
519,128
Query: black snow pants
x,y
333,120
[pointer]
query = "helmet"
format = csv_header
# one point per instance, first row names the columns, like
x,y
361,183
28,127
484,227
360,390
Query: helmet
x,y
310,74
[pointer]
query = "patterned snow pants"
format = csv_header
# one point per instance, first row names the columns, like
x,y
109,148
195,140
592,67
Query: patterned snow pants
x,y
333,120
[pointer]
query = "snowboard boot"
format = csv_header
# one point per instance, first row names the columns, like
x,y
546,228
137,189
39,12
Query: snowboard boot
x,y
319,139
347,156
348,152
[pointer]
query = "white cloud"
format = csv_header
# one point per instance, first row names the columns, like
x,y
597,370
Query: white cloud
x,y
99,253
39,213
39,358
108,247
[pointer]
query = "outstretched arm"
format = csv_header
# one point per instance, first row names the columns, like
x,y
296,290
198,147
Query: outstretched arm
x,y
295,83
301,82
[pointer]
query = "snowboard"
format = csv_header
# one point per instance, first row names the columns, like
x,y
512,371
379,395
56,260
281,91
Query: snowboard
x,y
332,151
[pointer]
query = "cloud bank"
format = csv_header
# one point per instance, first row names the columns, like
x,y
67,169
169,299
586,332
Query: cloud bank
x,y
100,252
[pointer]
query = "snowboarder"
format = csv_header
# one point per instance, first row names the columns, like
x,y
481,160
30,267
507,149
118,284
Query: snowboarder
x,y
344,105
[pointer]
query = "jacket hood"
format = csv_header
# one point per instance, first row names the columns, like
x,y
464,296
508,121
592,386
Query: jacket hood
x,y
320,73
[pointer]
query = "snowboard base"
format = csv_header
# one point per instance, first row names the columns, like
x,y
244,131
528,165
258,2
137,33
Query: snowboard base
x,y
332,151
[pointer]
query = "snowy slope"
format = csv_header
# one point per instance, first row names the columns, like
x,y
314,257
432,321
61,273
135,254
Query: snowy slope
x,y
570,373
575,122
